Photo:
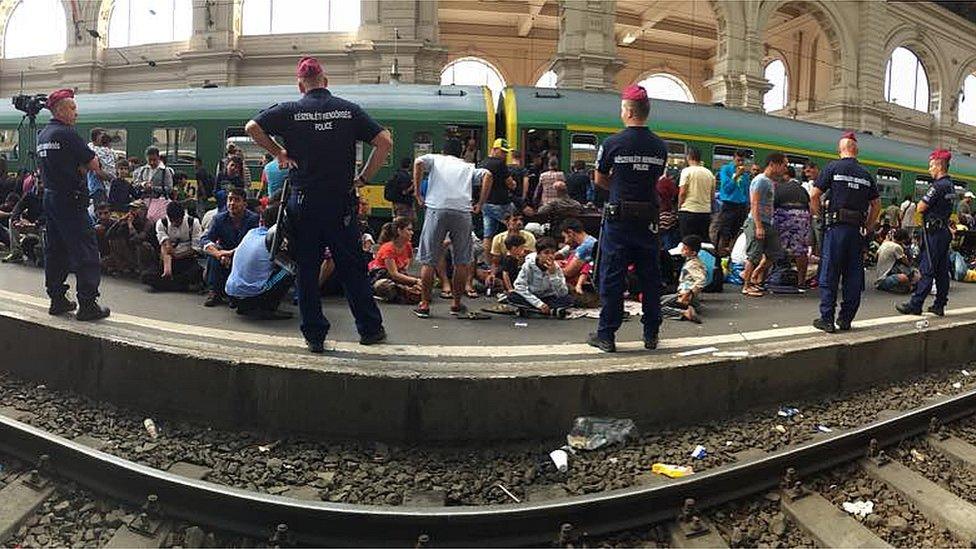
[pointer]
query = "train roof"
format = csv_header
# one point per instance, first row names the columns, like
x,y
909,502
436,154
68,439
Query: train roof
x,y
461,104
600,112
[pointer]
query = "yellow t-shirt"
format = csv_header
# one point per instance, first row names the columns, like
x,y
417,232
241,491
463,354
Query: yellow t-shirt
x,y
498,242
700,183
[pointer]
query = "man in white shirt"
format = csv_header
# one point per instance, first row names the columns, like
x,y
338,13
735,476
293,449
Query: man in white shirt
x,y
448,201
179,245
154,174
696,190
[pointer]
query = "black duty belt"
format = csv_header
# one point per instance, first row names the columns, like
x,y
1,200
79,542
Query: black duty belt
x,y
844,216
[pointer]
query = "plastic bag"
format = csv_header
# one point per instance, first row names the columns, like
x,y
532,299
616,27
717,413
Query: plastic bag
x,y
590,433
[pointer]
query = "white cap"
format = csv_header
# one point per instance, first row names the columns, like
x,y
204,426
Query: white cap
x,y
535,228
969,194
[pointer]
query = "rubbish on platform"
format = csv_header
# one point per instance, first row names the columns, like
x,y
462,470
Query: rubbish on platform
x,y
917,456
859,508
957,385
965,373
780,429
150,426
265,448
41,387
702,351
824,429
435,326
786,411
699,452
729,443
671,471
560,459
613,461
921,324
590,433
521,324
775,325
731,354
508,493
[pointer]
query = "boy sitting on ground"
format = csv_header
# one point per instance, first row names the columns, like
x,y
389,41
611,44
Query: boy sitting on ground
x,y
682,305
511,262
540,284
894,268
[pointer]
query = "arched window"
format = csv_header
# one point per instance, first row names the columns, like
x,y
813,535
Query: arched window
x,y
666,86
472,71
967,101
547,80
135,22
35,27
294,16
906,83
775,98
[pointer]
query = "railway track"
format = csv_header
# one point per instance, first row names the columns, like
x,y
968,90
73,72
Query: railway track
x,y
168,495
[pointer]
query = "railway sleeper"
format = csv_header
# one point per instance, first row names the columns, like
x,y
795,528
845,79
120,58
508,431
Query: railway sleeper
x,y
825,523
18,501
147,530
956,449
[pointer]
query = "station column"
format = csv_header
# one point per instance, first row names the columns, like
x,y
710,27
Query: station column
x,y
405,31
82,66
213,55
586,55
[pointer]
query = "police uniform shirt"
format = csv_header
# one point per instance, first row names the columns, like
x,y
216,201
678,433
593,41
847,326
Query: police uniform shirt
x,y
634,159
320,133
61,152
851,186
939,198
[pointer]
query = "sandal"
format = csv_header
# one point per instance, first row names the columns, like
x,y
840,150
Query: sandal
x,y
422,312
472,293
752,291
473,315
499,309
446,295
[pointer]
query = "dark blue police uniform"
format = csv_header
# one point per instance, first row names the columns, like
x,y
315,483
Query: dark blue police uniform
x,y
320,133
851,189
70,242
935,245
634,158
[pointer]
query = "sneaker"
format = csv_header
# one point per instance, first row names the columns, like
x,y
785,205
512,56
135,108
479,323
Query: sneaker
x,y
907,309
316,347
15,256
91,311
378,337
650,344
422,312
61,305
604,345
213,299
937,311
825,325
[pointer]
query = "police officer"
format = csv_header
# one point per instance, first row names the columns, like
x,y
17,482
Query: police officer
x,y
935,207
320,132
64,159
628,166
853,206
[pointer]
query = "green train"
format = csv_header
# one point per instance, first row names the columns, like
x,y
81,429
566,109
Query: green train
x,y
196,122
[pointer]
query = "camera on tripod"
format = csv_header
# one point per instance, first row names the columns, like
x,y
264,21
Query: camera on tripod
x,y
30,104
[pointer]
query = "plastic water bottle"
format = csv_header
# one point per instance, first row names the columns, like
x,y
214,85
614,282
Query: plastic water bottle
x,y
922,324
150,426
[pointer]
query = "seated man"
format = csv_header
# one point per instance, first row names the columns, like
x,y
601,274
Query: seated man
x,y
894,268
6,210
513,224
561,206
120,191
179,244
232,178
130,241
581,249
24,225
103,221
682,305
511,263
223,236
256,283
540,284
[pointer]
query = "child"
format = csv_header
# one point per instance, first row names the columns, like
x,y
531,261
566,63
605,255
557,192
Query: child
x,y
541,284
681,306
388,270
510,263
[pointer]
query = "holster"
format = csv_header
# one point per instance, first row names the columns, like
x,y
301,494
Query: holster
x,y
845,216
633,211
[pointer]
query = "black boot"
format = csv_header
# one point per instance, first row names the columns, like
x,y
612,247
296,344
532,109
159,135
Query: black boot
x,y
90,310
61,305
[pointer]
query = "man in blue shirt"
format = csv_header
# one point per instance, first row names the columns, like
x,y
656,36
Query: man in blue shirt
x,y
255,282
935,207
629,164
320,133
854,205
64,159
733,193
275,176
220,243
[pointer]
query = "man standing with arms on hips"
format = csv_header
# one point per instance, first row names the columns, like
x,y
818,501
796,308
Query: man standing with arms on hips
x,y
628,165
320,133
854,206
64,160
935,207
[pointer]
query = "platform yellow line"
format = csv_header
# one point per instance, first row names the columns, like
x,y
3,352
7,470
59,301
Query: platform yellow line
x,y
468,351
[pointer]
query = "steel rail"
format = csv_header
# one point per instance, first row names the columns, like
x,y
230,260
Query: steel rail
x,y
336,524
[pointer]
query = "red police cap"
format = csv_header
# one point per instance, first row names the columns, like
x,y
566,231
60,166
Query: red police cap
x,y
56,96
308,67
634,93
940,154
849,135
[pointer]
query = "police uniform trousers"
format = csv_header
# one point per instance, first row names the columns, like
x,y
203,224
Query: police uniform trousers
x,y
623,244
70,246
318,221
934,267
841,262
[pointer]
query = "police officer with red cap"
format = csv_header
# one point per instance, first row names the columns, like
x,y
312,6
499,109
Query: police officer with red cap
x,y
63,159
853,207
320,132
935,207
629,164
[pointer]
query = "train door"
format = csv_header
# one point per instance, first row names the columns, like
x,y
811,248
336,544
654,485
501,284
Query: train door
x,y
677,157
889,186
583,147
474,145
544,144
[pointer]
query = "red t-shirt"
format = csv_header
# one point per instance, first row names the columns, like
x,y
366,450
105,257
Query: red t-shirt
x,y
388,251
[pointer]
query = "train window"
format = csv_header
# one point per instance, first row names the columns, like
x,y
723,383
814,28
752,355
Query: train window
x,y
119,137
889,186
797,162
176,145
922,184
9,147
722,155
253,153
423,144
583,147
677,155
363,150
